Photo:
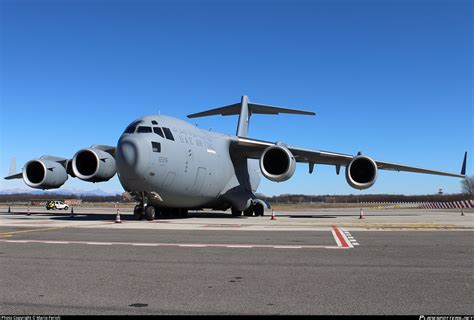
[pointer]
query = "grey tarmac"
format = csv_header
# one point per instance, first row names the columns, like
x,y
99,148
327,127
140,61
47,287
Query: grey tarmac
x,y
393,271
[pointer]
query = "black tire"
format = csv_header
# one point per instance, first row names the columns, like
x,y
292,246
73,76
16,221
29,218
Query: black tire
x,y
66,208
248,212
150,213
138,212
259,210
236,213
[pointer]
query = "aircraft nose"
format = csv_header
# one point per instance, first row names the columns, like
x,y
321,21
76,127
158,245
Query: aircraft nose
x,y
132,157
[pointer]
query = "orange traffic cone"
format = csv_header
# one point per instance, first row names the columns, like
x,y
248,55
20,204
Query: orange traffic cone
x,y
361,215
273,215
117,217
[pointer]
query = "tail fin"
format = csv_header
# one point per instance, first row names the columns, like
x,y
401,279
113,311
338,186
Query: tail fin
x,y
245,109
463,167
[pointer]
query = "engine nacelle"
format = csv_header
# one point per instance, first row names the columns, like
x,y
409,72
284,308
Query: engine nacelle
x,y
93,165
277,163
44,174
361,172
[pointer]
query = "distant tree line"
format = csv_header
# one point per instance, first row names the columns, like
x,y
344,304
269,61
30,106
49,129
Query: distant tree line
x,y
27,197
302,198
280,199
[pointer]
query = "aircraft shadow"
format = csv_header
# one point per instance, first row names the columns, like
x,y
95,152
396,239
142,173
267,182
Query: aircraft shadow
x,y
130,217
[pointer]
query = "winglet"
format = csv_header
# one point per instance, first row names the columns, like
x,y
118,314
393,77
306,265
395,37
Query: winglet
x,y
463,168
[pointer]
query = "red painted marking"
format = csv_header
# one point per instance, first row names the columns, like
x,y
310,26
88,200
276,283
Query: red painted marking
x,y
340,237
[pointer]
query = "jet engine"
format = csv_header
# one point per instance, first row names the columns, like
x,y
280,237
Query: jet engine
x,y
93,165
361,172
277,163
44,174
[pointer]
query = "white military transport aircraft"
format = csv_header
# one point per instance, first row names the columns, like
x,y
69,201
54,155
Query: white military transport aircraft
x,y
169,166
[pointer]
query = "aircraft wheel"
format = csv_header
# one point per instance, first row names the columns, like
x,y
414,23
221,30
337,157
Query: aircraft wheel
x,y
259,210
236,213
138,212
150,213
248,212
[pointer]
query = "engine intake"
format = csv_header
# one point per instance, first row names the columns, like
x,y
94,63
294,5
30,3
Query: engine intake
x,y
44,174
361,172
277,163
93,165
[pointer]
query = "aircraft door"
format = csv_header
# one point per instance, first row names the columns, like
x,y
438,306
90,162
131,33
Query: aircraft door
x,y
199,181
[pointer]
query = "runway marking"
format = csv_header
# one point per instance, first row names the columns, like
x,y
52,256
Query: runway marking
x,y
95,243
184,245
59,242
341,238
30,230
352,240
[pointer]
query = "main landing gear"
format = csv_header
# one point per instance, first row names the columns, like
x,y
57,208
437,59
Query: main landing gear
x,y
151,213
257,210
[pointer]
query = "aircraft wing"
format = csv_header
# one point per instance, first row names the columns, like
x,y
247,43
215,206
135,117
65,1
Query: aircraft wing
x,y
253,149
66,163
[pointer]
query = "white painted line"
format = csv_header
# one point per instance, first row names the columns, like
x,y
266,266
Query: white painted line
x,y
192,245
16,241
355,243
347,240
98,243
287,247
60,242
211,151
338,242
146,244
238,246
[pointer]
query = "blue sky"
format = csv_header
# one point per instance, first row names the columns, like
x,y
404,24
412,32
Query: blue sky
x,y
390,78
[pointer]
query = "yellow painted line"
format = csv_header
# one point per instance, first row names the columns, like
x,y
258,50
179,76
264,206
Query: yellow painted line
x,y
29,230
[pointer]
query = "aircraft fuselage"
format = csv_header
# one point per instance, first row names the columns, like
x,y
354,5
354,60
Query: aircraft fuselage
x,y
177,164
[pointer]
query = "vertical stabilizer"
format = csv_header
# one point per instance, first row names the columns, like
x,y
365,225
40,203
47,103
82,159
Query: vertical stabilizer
x,y
12,167
244,118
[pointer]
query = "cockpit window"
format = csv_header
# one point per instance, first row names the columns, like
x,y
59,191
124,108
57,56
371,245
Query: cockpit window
x,y
158,131
168,133
143,129
154,122
131,128
156,146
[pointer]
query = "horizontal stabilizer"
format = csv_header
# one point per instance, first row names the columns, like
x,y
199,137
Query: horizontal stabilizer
x,y
245,109
15,176
254,108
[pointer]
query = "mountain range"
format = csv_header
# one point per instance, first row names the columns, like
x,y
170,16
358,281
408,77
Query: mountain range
x,y
75,192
